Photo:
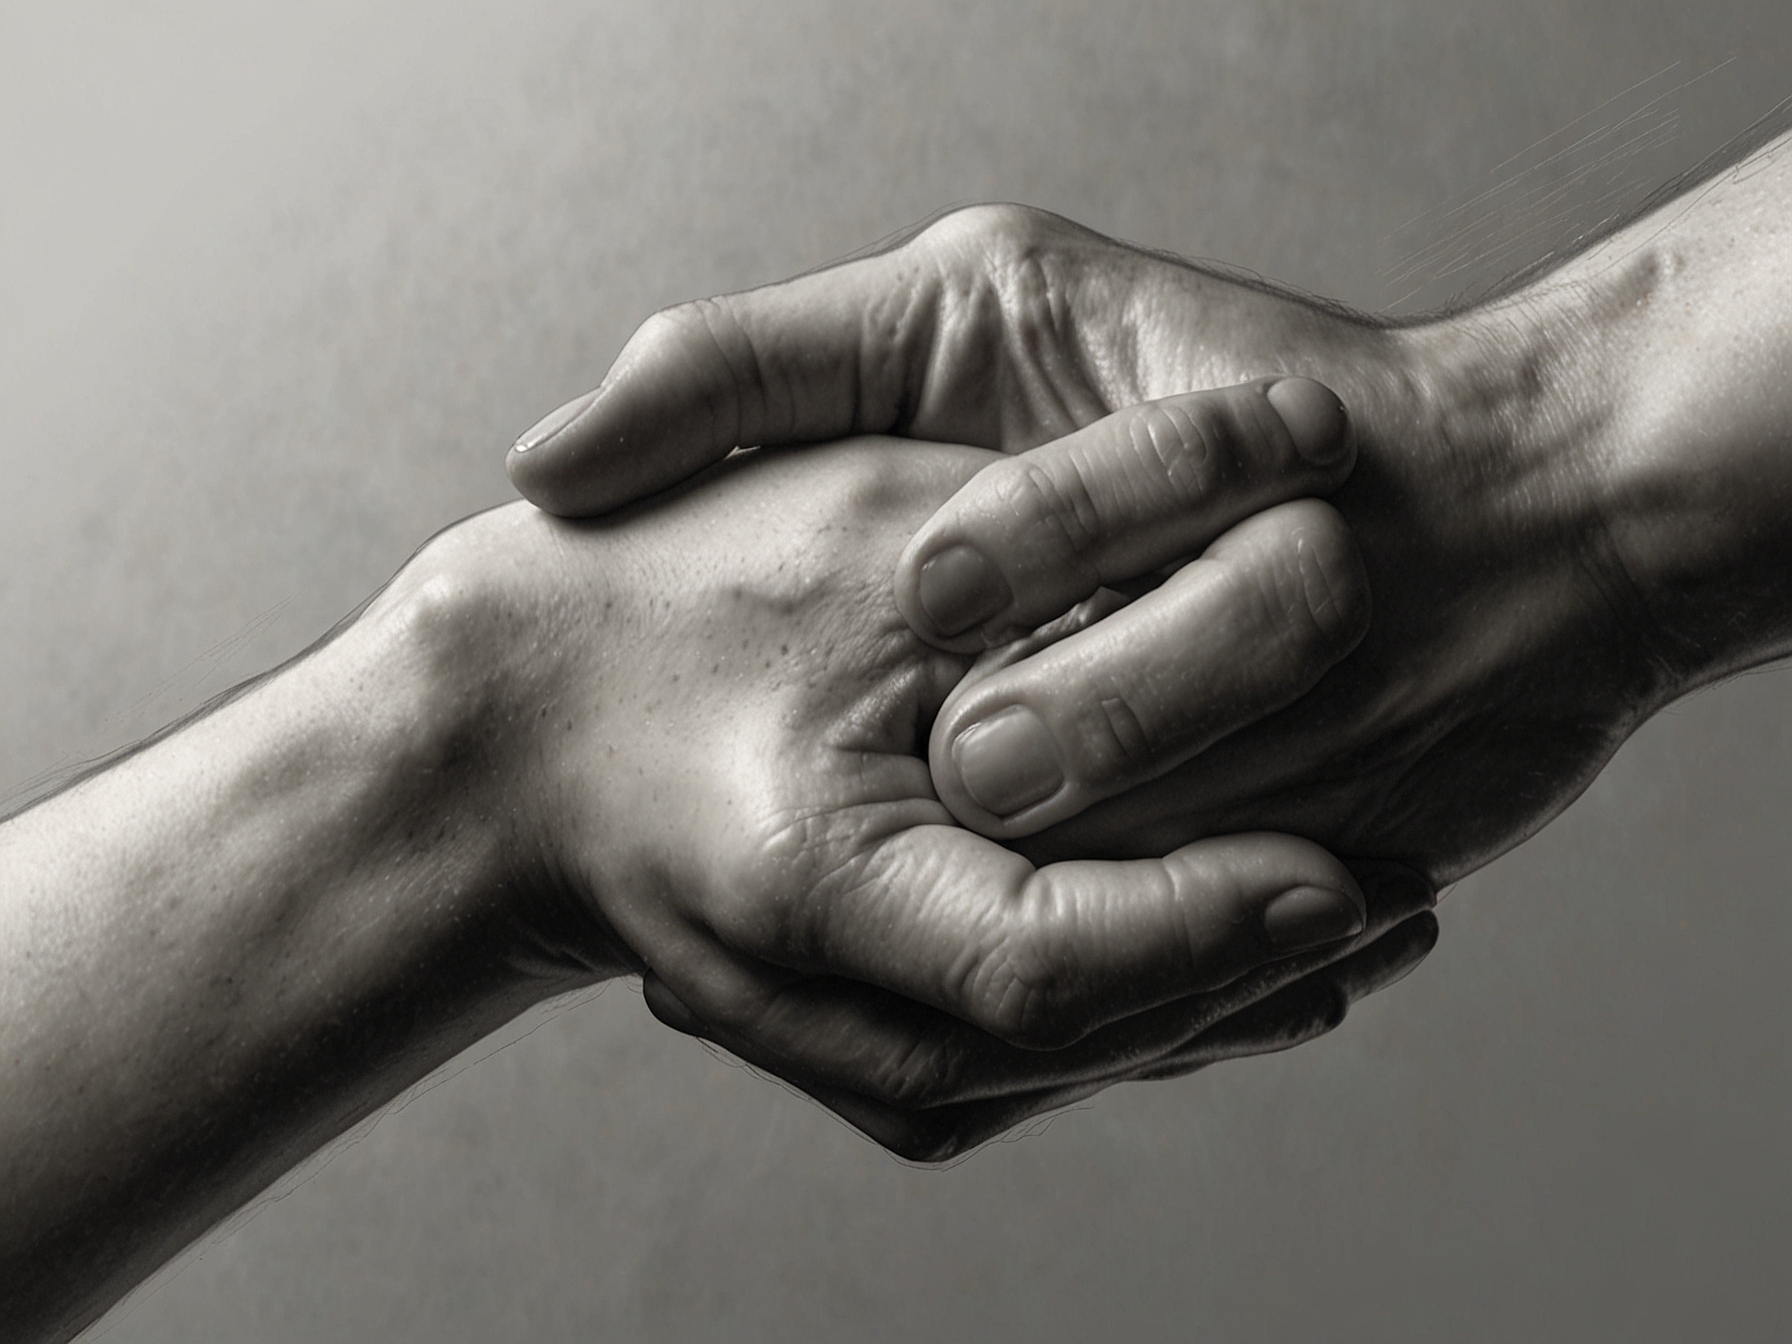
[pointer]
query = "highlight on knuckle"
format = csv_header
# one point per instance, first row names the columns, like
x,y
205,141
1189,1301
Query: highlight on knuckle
x,y
1054,514
994,227
1021,989
1188,451
1331,581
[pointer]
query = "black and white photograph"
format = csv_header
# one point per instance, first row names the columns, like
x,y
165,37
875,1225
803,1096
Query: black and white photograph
x,y
1017,672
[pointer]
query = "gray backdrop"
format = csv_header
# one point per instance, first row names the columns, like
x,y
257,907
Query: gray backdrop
x,y
281,283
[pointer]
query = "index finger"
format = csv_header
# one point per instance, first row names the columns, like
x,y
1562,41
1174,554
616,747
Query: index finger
x,y
1033,534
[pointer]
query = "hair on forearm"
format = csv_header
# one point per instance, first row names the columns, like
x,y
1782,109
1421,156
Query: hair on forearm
x,y
1738,150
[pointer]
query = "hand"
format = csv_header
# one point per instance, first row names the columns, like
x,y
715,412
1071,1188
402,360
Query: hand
x,y
1007,328
709,712
1511,649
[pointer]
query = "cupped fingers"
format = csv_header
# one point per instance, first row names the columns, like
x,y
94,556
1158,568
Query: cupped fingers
x,y
929,1086
1033,534
1310,1007
1291,1016
1043,957
1243,630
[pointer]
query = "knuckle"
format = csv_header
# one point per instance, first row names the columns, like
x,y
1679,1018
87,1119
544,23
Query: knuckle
x,y
1054,503
1012,250
1114,745
924,1075
709,333
996,226
929,1141
1326,1012
668,327
1311,588
731,1004
769,907
1020,990
1189,450
1044,519
714,321
694,328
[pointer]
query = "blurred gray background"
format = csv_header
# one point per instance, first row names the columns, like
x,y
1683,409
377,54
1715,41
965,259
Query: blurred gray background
x,y
279,285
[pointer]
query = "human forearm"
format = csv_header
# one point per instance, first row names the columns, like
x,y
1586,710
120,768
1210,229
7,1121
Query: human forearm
x,y
229,948
680,742
1688,326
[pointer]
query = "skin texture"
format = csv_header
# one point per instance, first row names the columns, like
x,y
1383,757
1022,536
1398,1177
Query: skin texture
x,y
680,742
1569,506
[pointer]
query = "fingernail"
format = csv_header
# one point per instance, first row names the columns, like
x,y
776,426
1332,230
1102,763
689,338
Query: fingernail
x,y
1309,916
1315,418
1008,761
552,423
958,588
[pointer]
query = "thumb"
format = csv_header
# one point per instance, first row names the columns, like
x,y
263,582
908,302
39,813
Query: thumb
x,y
825,355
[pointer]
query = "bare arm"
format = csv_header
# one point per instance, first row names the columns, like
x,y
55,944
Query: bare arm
x,y
233,945
680,743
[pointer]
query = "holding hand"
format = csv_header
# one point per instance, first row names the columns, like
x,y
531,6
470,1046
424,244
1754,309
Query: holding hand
x,y
681,741
1011,329
723,707
1568,505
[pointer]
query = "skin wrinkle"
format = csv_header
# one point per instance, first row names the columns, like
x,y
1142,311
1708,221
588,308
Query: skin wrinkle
x,y
919,330
1321,603
714,315
965,364
1182,448
1130,739
1173,1036
1036,326
1059,501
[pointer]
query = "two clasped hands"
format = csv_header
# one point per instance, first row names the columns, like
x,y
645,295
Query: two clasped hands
x,y
1213,687
1093,679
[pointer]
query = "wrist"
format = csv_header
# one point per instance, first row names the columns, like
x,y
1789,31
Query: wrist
x,y
1665,350
1539,397
238,941
469,669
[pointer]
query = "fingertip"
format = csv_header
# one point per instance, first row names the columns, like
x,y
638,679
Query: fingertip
x,y
551,424
1315,417
1311,915
1394,889
668,1007
1389,959
587,468
949,592
551,466
551,487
